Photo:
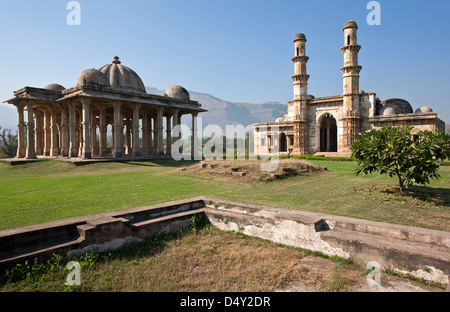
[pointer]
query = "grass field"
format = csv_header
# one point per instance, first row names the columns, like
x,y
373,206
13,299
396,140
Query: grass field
x,y
204,259
45,191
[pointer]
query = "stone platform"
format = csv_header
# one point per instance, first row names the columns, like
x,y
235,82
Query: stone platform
x,y
420,252
79,161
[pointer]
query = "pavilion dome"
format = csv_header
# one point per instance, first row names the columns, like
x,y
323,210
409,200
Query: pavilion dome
x,y
54,87
395,106
92,76
423,109
122,78
178,92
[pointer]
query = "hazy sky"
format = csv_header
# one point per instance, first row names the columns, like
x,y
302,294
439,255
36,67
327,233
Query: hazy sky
x,y
235,50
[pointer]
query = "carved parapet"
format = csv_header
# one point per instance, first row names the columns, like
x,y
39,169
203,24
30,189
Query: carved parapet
x,y
351,48
301,59
351,69
300,78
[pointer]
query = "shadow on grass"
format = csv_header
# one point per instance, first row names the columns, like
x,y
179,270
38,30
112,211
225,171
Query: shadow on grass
x,y
437,196
161,162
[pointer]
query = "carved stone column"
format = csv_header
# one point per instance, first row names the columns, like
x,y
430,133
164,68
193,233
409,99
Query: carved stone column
x,y
47,133
159,132
135,146
30,152
145,149
21,150
102,132
195,144
73,147
168,136
64,132
54,150
86,122
118,132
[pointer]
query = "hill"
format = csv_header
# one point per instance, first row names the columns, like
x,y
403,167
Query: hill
x,y
222,112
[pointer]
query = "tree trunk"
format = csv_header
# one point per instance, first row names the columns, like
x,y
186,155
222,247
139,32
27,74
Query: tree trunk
x,y
400,182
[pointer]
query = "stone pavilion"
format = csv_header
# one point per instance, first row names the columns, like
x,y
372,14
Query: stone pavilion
x,y
74,122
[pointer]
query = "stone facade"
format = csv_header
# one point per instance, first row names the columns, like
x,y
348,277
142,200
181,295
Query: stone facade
x,y
329,125
74,122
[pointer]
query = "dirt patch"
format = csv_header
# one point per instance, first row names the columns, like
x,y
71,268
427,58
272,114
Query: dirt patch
x,y
252,170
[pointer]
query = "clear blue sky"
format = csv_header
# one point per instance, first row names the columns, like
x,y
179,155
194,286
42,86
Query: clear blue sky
x,y
234,50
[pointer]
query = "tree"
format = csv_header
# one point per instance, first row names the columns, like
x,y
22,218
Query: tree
x,y
8,143
394,151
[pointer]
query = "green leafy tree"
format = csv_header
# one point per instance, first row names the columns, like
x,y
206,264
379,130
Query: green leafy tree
x,y
394,151
8,143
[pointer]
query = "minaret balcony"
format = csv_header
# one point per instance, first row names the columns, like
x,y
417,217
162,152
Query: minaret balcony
x,y
351,48
301,59
300,78
351,69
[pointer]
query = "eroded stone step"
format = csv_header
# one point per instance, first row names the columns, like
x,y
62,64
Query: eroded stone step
x,y
387,251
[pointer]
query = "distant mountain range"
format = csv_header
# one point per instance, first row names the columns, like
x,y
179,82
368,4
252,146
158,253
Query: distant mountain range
x,y
222,112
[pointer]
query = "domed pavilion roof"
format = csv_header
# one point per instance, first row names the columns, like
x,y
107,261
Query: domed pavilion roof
x,y
92,76
178,92
121,77
54,87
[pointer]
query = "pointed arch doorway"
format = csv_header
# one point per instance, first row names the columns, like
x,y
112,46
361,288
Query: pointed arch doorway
x,y
328,134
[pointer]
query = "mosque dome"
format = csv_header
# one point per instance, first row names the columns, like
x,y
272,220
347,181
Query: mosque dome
x,y
395,106
94,77
122,78
55,87
423,109
178,92
388,111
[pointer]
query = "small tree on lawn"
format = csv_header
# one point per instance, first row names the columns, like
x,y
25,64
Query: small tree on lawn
x,y
394,151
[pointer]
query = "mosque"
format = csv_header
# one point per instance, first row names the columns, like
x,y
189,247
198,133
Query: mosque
x,y
329,125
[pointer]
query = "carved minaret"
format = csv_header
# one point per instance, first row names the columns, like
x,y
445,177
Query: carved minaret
x,y
300,103
351,115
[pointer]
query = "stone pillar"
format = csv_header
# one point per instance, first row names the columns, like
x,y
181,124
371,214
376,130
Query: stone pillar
x,y
159,132
195,147
176,122
39,132
145,139
54,150
168,136
136,149
86,122
103,127
30,152
93,133
328,136
21,150
118,133
64,132
73,148
128,149
151,123
47,133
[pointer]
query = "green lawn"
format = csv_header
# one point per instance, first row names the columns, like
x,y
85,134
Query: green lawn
x,y
46,191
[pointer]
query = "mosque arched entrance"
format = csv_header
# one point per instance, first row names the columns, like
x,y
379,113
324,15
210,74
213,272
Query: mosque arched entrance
x,y
328,134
